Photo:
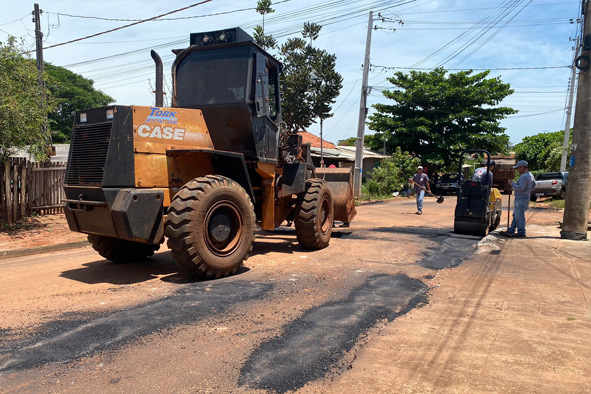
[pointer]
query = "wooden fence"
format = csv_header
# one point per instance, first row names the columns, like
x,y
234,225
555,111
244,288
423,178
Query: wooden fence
x,y
27,187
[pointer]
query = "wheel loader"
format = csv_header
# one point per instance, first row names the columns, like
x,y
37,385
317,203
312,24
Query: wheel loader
x,y
204,173
479,206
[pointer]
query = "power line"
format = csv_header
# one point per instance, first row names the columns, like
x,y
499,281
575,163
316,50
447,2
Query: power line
x,y
326,9
492,35
163,19
343,102
484,8
470,69
16,20
504,12
129,25
538,21
538,114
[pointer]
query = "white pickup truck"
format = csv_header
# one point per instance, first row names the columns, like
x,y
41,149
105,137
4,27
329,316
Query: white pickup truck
x,y
550,184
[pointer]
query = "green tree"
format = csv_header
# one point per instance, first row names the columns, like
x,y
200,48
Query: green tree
x,y
23,104
543,151
436,115
351,141
72,92
265,41
392,174
311,31
311,82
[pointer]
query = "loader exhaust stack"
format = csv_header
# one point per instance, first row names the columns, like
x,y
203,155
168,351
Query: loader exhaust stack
x,y
159,78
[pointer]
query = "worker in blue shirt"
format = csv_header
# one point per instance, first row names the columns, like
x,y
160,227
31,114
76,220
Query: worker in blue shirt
x,y
481,172
522,189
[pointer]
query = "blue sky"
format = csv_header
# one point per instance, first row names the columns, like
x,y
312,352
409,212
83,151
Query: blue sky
x,y
537,36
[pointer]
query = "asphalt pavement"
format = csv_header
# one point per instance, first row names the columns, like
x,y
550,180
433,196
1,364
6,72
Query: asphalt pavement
x,y
290,320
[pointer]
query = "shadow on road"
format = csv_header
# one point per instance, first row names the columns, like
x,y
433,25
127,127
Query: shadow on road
x,y
104,271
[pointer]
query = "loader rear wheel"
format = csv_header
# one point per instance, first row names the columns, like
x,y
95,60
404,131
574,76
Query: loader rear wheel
x,y
314,216
210,226
120,251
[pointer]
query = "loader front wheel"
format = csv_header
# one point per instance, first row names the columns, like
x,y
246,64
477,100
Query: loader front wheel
x,y
210,226
120,251
314,216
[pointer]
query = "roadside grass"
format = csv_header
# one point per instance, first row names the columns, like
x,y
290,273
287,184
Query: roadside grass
x,y
557,204
550,203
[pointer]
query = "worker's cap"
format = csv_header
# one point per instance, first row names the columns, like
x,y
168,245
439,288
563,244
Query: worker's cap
x,y
419,167
520,163
492,163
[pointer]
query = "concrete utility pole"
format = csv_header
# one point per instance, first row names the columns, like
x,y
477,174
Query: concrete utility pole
x,y
578,189
39,43
40,69
358,174
569,110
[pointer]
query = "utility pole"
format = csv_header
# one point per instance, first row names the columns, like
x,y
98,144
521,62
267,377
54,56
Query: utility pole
x,y
321,146
569,109
358,174
39,43
40,70
578,189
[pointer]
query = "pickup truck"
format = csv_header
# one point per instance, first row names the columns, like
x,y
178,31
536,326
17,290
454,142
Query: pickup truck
x,y
550,184
447,183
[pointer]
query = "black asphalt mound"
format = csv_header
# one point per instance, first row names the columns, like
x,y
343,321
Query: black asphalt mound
x,y
312,344
79,335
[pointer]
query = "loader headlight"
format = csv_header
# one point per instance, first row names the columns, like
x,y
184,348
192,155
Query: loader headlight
x,y
206,40
83,117
223,37
109,113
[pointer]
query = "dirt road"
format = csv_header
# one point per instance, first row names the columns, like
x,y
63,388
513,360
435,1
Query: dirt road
x,y
71,322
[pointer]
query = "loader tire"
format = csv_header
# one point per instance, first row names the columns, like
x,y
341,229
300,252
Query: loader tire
x,y
210,227
120,251
314,216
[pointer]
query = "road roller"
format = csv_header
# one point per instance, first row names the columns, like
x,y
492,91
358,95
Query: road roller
x,y
479,206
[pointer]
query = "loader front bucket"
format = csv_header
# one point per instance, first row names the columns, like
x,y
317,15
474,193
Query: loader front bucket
x,y
340,182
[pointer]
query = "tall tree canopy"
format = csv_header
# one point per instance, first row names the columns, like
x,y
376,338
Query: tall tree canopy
x,y
311,81
437,114
266,41
543,151
23,104
72,92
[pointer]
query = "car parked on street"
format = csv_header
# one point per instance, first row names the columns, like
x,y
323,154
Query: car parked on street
x,y
447,184
550,184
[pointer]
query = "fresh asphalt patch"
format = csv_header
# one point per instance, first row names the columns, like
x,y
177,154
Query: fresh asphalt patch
x,y
311,345
452,250
448,251
70,338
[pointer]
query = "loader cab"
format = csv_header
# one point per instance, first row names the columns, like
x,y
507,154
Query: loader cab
x,y
235,83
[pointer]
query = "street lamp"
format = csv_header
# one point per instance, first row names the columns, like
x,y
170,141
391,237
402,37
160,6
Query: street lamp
x,y
321,145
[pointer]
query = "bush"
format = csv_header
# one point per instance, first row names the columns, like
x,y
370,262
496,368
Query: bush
x,y
392,174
